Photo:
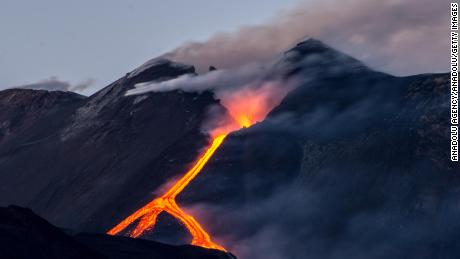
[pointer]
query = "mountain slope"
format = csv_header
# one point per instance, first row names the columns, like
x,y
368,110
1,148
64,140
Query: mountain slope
x,y
353,163
92,155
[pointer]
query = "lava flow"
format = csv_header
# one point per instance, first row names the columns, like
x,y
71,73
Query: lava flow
x,y
167,202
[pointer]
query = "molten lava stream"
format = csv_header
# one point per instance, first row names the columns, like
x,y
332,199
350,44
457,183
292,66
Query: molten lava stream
x,y
148,214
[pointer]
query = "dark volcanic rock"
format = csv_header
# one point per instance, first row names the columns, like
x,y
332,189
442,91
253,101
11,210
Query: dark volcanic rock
x,y
129,248
21,111
25,235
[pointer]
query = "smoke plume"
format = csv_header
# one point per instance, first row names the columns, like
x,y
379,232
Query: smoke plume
x,y
397,36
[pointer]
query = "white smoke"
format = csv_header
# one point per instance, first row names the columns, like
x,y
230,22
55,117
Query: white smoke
x,y
225,79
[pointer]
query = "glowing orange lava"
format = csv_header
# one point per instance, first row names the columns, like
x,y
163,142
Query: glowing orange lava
x,y
147,215
245,107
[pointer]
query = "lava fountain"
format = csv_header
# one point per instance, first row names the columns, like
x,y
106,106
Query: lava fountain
x,y
245,106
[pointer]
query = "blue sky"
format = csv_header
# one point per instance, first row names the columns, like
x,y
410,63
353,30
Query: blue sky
x,y
103,39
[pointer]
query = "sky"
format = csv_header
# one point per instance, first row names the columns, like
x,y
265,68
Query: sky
x,y
86,45
102,40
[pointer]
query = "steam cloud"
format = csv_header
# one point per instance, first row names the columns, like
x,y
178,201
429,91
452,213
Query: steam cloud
x,y
397,36
54,84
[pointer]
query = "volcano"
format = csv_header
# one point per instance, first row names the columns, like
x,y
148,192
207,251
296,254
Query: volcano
x,y
351,163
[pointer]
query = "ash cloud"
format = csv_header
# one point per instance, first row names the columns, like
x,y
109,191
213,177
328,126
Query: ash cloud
x,y
54,84
397,36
